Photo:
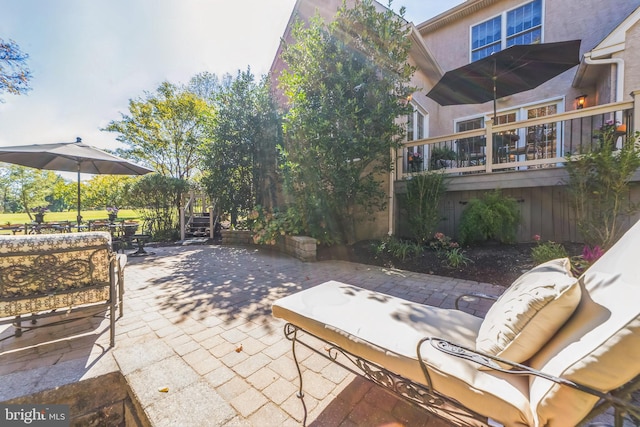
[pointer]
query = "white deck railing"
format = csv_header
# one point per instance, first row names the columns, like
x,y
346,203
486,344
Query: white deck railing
x,y
536,143
198,204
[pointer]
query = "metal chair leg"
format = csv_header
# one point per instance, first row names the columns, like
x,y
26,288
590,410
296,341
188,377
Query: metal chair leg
x,y
18,326
290,333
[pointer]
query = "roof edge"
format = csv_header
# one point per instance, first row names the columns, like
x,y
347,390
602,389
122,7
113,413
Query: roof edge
x,y
467,8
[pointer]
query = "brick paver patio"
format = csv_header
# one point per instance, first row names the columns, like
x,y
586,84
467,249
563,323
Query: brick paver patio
x,y
198,321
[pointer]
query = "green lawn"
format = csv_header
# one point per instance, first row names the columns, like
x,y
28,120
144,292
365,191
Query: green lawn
x,y
23,218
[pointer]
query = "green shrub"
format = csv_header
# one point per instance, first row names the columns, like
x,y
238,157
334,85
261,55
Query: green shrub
x,y
547,251
598,187
494,216
424,193
442,243
456,258
268,226
380,247
156,199
448,251
401,249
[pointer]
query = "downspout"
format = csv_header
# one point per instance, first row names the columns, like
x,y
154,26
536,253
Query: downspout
x,y
394,155
619,62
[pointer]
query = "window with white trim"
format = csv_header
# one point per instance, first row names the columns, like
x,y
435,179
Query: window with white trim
x,y
542,140
522,25
472,150
416,129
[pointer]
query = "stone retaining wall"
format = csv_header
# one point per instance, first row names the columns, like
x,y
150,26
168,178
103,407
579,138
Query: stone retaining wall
x,y
301,247
237,237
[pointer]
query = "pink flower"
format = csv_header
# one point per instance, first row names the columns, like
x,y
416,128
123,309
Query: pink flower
x,y
439,236
536,237
591,254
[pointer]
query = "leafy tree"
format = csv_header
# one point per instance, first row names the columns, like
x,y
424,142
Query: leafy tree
x,y
156,197
164,130
207,85
240,158
14,73
31,187
347,84
65,195
107,190
6,196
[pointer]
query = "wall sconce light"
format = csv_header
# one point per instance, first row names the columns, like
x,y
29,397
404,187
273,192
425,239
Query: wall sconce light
x,y
580,101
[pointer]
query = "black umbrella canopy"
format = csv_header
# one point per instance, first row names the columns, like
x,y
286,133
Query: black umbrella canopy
x,y
516,69
70,157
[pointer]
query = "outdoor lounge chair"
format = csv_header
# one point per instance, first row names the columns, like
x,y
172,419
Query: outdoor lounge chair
x,y
47,275
553,350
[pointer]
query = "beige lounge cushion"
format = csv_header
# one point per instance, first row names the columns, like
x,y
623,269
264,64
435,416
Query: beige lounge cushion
x,y
599,345
386,330
530,312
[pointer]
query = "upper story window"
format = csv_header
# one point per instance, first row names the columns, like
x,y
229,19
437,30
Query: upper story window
x,y
522,25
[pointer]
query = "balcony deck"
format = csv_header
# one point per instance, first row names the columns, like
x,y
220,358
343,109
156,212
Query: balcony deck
x,y
527,153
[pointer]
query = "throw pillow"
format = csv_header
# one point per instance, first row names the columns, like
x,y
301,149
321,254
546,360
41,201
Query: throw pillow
x,y
530,312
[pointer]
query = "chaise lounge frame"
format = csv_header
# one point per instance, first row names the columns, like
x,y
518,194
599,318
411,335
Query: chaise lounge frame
x,y
432,357
440,405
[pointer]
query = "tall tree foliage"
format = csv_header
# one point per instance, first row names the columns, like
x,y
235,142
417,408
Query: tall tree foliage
x,y
107,190
155,197
239,161
347,84
14,73
207,85
164,130
30,187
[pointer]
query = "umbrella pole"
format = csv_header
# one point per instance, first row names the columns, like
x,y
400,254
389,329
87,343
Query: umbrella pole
x,y
495,103
495,92
79,217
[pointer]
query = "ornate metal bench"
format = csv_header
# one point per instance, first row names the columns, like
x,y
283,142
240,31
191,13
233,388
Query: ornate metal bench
x,y
46,275
553,350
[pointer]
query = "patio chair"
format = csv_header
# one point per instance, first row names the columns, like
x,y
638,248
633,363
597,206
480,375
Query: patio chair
x,y
47,275
553,350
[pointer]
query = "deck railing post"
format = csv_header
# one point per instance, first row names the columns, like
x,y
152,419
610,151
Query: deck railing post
x,y
182,224
636,111
211,223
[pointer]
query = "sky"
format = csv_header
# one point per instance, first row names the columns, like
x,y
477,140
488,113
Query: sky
x,y
88,58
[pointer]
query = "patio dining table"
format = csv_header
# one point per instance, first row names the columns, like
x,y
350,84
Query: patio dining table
x,y
47,227
13,228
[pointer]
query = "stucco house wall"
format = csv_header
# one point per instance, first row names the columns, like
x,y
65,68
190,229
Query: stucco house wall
x,y
632,60
444,45
590,21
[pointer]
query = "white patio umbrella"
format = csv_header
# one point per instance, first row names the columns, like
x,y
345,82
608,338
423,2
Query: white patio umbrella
x,y
70,157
